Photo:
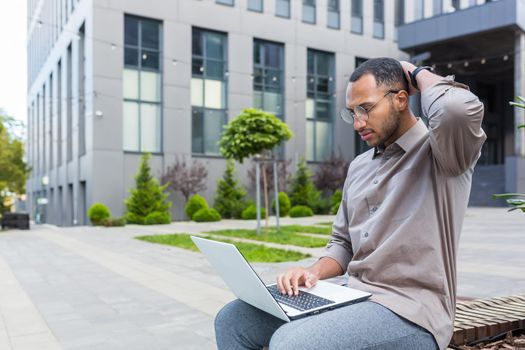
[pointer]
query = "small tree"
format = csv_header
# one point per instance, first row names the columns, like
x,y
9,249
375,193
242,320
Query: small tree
x,y
331,174
303,191
229,201
253,133
148,202
282,174
187,178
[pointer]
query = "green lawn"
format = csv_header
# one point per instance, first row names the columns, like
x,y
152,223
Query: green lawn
x,y
307,229
252,252
284,236
326,223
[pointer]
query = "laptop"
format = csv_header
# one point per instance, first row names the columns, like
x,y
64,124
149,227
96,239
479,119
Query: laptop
x,y
248,286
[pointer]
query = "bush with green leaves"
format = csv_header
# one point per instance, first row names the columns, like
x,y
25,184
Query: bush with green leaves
x,y
301,211
195,203
336,201
97,213
207,215
250,213
114,222
230,197
284,204
158,218
147,197
303,191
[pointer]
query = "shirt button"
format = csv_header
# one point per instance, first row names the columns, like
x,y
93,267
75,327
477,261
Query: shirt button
x,y
355,274
374,209
366,234
375,182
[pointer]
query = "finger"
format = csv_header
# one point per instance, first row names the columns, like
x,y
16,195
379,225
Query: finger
x,y
286,284
280,283
295,283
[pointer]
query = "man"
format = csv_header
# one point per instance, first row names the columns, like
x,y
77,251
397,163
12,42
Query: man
x,y
397,230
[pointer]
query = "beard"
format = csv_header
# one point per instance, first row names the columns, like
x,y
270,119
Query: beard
x,y
389,128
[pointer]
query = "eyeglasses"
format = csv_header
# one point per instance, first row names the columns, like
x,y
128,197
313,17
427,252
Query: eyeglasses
x,y
359,112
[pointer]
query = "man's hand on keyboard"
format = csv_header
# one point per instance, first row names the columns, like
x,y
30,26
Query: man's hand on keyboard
x,y
289,282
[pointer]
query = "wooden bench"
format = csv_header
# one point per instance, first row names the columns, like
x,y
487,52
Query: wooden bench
x,y
483,318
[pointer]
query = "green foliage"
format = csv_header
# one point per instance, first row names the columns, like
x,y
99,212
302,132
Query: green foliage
x,y
147,197
207,215
158,218
250,212
284,204
97,213
301,211
303,191
252,132
13,169
195,203
229,200
336,201
113,222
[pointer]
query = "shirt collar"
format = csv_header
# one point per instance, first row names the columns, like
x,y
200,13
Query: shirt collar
x,y
408,139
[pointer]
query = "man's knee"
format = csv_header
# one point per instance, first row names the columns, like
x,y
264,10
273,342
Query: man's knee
x,y
226,317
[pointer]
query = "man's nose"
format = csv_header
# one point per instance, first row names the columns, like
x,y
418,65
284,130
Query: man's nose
x,y
359,124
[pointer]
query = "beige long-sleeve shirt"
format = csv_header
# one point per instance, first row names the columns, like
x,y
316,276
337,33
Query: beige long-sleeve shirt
x,y
397,230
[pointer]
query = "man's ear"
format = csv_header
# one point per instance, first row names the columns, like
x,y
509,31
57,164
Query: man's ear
x,y
401,101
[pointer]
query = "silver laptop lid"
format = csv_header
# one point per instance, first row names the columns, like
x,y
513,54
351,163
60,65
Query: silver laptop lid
x,y
239,275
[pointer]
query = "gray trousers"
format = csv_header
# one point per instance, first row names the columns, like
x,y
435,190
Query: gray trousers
x,y
365,325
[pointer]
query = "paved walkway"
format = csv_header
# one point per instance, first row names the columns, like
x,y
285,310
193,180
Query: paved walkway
x,y
97,288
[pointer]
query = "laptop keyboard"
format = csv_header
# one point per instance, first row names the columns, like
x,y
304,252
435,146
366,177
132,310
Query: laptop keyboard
x,y
303,301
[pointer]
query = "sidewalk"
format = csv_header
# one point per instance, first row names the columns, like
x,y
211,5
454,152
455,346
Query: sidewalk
x,y
97,288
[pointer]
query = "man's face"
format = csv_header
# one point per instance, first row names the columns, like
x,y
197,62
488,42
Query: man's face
x,y
383,122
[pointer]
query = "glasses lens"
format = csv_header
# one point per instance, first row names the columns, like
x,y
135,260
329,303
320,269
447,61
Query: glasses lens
x,y
360,113
346,115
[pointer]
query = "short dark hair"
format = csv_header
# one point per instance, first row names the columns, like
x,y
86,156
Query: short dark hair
x,y
386,71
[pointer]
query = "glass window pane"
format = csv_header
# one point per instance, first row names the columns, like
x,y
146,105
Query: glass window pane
x,y
214,94
197,91
131,31
379,30
310,108
197,67
357,8
272,102
357,25
196,131
131,57
257,99
150,34
131,84
214,69
322,140
333,19
308,14
196,44
213,122
214,45
323,109
323,64
322,85
150,59
258,76
225,2
283,8
150,127
273,79
131,126
255,5
272,55
379,11
310,141
150,86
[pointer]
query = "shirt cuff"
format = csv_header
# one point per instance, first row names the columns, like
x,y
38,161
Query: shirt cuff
x,y
339,254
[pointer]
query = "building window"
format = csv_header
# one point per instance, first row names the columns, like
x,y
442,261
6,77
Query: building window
x,y
51,117
357,17
81,95
142,87
379,19
319,104
69,104
309,11
282,8
208,90
255,5
399,18
333,14
225,2
437,7
419,9
59,113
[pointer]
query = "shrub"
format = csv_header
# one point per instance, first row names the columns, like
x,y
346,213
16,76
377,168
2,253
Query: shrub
x,y
207,215
195,203
229,201
303,191
157,218
336,201
111,222
97,213
147,197
321,205
250,213
284,204
301,211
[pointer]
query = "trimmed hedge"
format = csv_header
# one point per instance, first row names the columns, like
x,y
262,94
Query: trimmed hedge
x,y
113,222
336,201
207,215
284,204
301,211
250,213
157,218
98,213
195,203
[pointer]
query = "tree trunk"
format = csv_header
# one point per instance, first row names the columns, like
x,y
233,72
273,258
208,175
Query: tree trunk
x,y
265,184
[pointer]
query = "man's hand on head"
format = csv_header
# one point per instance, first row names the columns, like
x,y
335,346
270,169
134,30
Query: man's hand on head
x,y
407,68
290,281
